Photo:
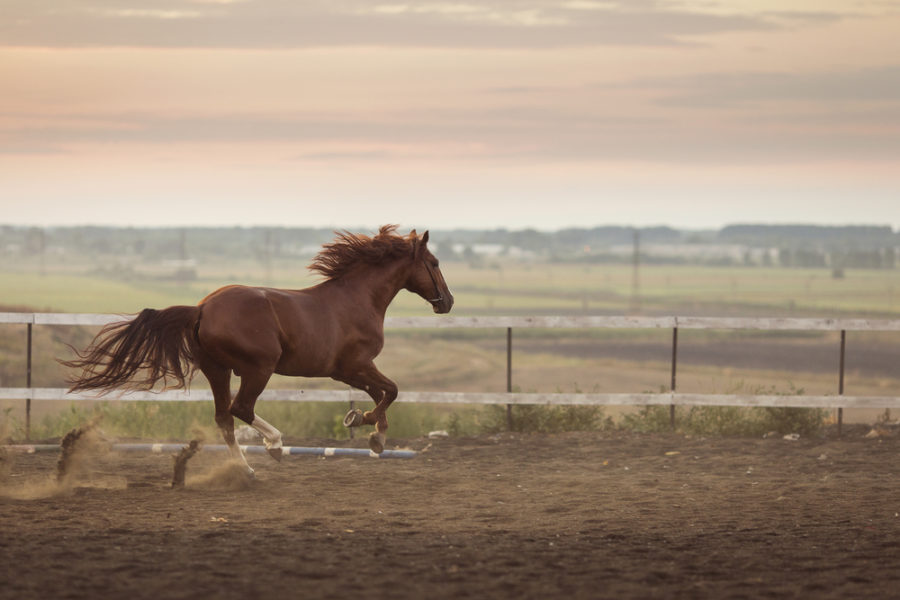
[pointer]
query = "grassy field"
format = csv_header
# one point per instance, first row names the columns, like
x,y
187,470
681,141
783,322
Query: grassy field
x,y
474,360
501,288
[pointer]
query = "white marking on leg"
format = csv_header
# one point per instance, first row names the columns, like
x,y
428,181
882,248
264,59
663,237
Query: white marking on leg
x,y
271,436
236,454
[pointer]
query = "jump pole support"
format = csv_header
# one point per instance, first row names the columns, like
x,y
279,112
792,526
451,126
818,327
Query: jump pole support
x,y
840,410
509,417
28,385
674,370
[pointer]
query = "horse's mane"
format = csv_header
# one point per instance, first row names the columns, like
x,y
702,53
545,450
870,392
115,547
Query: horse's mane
x,y
349,250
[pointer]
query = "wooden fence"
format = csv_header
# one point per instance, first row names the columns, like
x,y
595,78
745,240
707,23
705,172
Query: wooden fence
x,y
672,398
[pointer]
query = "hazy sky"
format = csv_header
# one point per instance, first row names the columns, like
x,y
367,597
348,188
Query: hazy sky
x,y
509,113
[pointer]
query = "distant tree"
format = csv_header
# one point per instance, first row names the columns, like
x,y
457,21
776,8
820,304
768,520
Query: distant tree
x,y
890,257
785,258
35,242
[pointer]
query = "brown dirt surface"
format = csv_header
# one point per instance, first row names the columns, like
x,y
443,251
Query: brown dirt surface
x,y
580,515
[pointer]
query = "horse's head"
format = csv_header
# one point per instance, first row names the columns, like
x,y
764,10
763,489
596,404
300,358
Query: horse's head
x,y
425,277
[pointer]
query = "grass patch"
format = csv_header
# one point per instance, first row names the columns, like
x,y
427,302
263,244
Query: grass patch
x,y
178,421
723,421
545,419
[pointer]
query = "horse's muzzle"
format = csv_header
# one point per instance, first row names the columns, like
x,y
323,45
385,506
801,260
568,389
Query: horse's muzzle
x,y
443,304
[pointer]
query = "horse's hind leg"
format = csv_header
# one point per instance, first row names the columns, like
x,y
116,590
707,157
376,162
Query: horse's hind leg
x,y
271,436
253,382
220,383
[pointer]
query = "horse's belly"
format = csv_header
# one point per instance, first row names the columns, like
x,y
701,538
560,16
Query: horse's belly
x,y
309,366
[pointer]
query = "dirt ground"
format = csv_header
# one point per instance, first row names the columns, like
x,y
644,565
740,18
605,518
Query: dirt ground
x,y
586,515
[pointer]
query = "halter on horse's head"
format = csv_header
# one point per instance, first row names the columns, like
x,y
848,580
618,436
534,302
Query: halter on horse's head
x,y
433,289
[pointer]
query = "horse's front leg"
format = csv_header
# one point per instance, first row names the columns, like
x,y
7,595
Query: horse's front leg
x,y
377,438
383,391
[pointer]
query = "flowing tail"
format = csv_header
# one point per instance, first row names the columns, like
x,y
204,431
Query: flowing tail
x,y
134,355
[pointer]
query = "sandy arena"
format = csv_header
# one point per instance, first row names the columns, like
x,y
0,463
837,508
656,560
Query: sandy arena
x,y
587,515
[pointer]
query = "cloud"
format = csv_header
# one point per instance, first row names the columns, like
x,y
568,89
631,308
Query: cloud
x,y
507,135
725,90
320,23
25,148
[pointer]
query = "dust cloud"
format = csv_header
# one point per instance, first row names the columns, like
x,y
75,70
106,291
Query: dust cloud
x,y
81,453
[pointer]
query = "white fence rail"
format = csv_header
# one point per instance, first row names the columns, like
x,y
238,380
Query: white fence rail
x,y
671,398
662,398
601,322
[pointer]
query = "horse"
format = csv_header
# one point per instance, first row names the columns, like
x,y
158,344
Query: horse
x,y
333,329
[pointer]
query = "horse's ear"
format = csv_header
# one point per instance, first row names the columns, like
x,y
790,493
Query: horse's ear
x,y
425,237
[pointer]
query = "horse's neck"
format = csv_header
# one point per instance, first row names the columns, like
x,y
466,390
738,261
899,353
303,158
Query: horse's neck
x,y
375,286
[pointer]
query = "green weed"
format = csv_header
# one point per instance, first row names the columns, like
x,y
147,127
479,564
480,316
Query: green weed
x,y
730,420
533,418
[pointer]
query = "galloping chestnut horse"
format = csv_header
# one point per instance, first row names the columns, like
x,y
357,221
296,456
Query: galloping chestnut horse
x,y
333,329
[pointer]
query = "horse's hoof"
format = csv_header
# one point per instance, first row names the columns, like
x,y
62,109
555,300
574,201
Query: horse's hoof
x,y
274,449
354,418
376,442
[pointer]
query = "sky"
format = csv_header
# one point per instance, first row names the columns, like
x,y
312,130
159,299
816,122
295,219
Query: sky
x,y
442,114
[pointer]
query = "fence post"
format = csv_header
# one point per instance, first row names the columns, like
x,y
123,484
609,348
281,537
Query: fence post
x,y
674,365
28,385
509,418
840,423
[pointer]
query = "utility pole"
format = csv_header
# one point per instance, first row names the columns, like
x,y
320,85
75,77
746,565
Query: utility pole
x,y
267,257
635,274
